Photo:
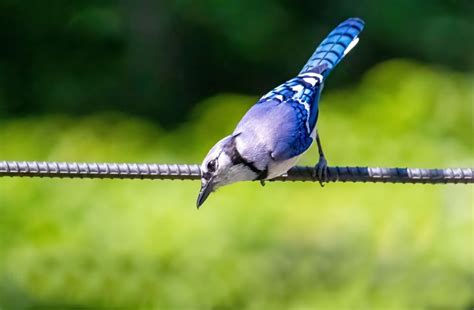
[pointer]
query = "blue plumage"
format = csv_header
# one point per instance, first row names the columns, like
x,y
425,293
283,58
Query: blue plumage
x,y
305,89
282,125
336,45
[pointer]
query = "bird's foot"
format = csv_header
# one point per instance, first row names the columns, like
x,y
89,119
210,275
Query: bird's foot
x,y
321,171
262,182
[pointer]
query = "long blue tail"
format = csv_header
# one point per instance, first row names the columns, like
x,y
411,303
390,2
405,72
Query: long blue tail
x,y
336,45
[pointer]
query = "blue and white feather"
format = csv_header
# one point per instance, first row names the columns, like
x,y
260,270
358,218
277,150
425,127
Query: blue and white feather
x,y
302,92
281,126
336,45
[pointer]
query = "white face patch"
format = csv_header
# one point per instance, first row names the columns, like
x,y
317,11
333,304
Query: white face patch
x,y
224,162
235,173
227,172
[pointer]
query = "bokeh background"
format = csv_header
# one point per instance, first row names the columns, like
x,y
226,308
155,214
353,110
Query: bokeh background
x,y
156,81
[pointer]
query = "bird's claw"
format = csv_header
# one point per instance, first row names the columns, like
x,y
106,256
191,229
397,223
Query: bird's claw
x,y
321,171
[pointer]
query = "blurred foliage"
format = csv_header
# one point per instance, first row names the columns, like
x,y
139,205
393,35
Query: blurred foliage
x,y
157,59
105,243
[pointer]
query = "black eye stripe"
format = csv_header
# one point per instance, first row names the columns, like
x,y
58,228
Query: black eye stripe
x,y
237,159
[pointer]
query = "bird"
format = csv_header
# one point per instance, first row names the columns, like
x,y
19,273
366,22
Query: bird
x,y
281,126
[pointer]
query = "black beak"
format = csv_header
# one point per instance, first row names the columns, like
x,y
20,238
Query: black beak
x,y
207,187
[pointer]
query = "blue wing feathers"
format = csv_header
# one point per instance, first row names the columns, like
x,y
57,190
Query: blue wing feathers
x,y
301,139
300,95
333,48
295,139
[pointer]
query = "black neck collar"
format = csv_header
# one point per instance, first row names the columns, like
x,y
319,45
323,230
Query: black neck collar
x,y
237,159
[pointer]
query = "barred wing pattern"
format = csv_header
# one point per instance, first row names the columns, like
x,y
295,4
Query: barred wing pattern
x,y
300,94
336,45
301,90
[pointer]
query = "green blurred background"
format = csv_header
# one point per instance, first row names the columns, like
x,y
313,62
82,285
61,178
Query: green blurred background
x,y
149,81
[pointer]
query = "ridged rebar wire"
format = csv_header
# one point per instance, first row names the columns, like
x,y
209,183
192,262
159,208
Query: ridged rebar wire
x,y
192,172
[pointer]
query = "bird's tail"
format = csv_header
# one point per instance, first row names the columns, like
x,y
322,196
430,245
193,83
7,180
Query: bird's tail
x,y
335,46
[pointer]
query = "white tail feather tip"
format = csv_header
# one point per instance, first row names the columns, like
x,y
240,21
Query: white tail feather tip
x,y
351,45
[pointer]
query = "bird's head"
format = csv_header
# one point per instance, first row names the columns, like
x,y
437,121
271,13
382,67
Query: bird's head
x,y
223,165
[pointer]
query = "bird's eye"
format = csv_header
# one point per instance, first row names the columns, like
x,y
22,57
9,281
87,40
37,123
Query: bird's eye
x,y
211,165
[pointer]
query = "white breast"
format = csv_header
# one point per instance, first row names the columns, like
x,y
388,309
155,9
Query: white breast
x,y
275,169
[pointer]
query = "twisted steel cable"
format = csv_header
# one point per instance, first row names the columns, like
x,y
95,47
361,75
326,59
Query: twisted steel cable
x,y
193,172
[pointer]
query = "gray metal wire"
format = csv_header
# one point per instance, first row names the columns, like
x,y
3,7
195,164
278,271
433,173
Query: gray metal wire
x,y
192,172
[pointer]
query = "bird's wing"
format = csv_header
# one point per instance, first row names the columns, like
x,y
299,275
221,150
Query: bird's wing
x,y
293,138
285,118
302,93
304,90
299,96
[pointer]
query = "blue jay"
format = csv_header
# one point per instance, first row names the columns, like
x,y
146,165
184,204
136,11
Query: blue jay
x,y
281,126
